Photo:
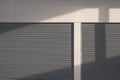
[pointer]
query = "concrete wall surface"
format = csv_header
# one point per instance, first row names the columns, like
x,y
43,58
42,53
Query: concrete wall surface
x,y
59,10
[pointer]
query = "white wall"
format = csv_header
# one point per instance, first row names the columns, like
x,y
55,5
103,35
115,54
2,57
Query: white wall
x,y
59,10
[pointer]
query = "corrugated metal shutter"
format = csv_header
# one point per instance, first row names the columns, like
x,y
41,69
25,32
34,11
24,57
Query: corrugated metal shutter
x,y
101,51
36,51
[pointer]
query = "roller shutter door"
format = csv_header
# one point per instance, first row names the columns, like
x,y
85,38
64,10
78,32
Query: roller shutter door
x,y
34,51
101,51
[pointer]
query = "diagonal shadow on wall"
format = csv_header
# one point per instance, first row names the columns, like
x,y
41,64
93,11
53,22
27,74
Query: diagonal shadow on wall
x,y
102,68
41,10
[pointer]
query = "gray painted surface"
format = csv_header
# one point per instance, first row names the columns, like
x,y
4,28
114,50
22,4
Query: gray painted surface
x,y
35,51
101,51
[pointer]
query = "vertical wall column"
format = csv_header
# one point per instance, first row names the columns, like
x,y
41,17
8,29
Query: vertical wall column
x,y
77,51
